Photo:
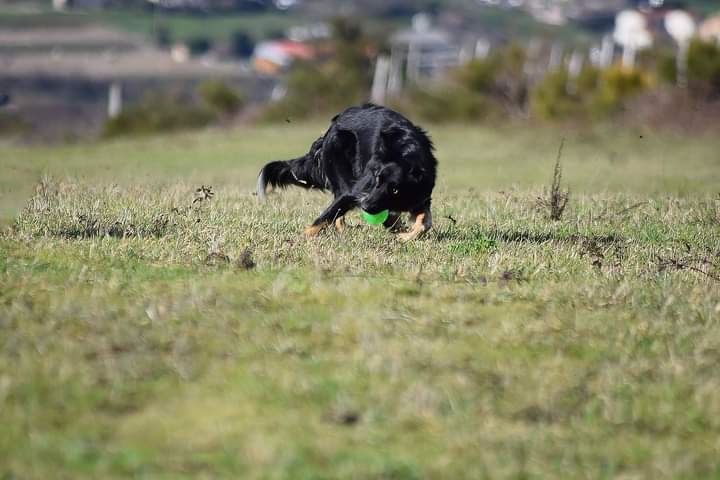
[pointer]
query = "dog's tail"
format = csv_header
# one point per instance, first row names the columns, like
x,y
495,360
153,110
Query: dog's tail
x,y
305,172
281,173
275,174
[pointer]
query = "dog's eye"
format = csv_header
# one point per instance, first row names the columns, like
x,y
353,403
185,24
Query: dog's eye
x,y
394,191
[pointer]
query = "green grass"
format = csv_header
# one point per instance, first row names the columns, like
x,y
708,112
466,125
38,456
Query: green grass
x,y
184,27
136,341
704,6
180,26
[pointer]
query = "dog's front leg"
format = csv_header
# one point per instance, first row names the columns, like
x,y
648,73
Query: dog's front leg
x,y
339,207
422,222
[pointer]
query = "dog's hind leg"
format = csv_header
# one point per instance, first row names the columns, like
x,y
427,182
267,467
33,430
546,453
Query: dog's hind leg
x,y
422,222
339,207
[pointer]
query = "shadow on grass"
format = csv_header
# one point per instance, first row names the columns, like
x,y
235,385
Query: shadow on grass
x,y
477,232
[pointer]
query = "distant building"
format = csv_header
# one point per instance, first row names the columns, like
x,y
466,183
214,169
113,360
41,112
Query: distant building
x,y
424,50
305,33
273,56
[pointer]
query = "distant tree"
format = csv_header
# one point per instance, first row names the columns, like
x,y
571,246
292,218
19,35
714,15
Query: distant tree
x,y
598,93
163,37
199,45
251,5
220,97
241,44
342,80
499,76
704,67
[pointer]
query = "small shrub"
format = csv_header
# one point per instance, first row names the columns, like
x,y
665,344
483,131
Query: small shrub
x,y
220,97
597,93
551,99
479,75
557,198
617,84
155,115
500,77
666,67
704,67
12,124
446,104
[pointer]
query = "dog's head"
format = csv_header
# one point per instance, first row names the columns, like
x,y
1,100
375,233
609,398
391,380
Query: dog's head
x,y
391,186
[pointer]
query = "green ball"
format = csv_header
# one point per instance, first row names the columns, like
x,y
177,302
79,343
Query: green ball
x,y
377,219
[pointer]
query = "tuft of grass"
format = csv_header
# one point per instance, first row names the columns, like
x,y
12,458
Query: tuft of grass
x,y
557,198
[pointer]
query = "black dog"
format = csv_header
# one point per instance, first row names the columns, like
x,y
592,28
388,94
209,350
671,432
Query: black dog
x,y
371,157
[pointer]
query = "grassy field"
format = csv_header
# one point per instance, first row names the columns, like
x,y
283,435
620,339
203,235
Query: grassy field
x,y
152,332
179,26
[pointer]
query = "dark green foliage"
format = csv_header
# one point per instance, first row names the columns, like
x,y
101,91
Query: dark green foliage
x,y
593,93
157,114
199,45
241,44
12,124
220,97
617,84
446,103
162,36
666,67
499,75
479,75
704,67
481,89
550,98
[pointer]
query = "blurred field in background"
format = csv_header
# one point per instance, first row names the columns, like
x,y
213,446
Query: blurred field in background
x,y
153,331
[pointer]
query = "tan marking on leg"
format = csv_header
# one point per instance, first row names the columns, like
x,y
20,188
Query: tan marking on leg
x,y
340,224
314,230
416,230
422,223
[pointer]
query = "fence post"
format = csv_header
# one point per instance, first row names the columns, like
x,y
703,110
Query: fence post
x,y
114,100
380,80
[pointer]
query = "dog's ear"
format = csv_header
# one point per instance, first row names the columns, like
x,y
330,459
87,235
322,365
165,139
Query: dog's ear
x,y
416,173
392,138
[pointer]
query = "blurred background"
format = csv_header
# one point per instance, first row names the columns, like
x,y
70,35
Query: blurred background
x,y
73,70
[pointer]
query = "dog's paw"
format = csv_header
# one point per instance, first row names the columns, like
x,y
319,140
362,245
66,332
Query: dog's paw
x,y
313,231
412,234
408,236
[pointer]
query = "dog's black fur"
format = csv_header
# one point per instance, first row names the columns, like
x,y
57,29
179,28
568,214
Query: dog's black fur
x,y
371,157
